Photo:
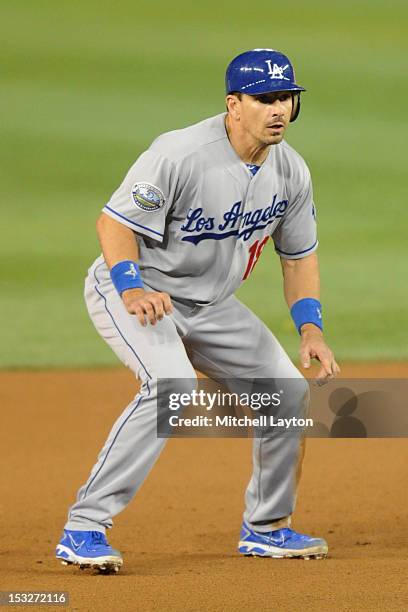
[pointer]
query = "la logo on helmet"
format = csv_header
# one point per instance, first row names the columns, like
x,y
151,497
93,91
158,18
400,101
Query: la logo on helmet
x,y
276,72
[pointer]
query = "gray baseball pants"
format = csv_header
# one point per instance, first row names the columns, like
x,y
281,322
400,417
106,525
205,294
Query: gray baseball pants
x,y
223,341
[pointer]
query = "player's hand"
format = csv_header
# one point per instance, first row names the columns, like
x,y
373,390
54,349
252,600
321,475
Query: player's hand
x,y
148,306
313,346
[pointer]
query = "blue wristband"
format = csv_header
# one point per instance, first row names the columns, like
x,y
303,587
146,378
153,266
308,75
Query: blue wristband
x,y
307,310
126,275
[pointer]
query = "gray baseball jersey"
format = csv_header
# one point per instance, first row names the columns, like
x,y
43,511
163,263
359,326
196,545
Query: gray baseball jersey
x,y
202,217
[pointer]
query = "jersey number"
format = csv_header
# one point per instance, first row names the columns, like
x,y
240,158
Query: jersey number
x,y
255,251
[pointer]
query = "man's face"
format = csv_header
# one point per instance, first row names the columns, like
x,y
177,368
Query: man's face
x,y
264,117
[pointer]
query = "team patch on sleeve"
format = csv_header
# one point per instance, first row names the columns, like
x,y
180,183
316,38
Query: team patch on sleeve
x,y
147,197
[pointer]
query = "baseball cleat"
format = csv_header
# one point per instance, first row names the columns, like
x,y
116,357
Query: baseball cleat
x,y
88,549
280,544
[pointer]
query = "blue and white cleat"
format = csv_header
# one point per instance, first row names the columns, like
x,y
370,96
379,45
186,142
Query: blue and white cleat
x,y
88,549
280,544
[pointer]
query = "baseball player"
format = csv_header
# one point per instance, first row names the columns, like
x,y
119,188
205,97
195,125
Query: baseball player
x,y
181,233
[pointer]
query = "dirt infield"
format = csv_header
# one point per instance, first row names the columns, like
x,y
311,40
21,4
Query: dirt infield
x,y
179,537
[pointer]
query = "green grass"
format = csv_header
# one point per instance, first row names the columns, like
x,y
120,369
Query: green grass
x,y
88,85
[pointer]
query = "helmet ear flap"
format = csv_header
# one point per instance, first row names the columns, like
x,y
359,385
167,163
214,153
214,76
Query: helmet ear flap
x,y
295,106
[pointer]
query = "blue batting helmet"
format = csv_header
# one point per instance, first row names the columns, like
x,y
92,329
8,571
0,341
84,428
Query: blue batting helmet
x,y
262,71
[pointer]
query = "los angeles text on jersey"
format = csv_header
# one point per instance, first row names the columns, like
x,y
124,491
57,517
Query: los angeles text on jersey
x,y
236,222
